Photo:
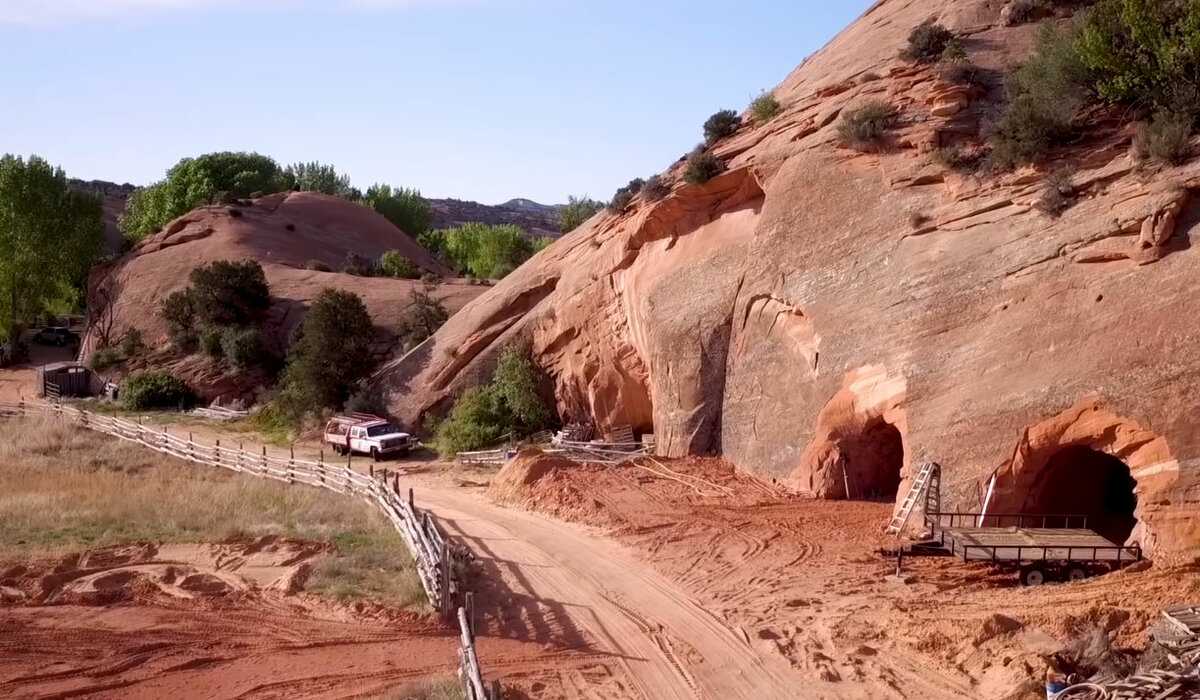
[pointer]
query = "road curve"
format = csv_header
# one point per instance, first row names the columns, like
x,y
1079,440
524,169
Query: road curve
x,y
572,583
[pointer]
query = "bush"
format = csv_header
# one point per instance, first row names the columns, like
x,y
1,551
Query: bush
x,y
863,128
211,342
394,264
148,390
179,313
104,358
926,42
1165,139
425,315
1143,52
317,266
330,354
702,166
1045,94
722,124
132,344
765,108
244,348
625,195
318,177
510,404
963,73
655,188
358,265
230,293
1057,194
577,211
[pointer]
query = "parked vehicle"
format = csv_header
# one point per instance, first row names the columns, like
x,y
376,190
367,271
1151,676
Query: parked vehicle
x,y
56,335
367,434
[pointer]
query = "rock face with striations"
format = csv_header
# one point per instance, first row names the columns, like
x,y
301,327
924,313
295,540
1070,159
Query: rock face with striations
x,y
284,233
833,318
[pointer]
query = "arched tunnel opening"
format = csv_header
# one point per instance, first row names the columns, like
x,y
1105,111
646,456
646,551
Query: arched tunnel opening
x,y
1081,480
870,462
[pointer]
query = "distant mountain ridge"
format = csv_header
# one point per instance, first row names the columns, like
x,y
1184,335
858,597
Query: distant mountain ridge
x,y
537,219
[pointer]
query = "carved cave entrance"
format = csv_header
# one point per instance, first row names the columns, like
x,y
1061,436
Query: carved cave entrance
x,y
1081,480
869,462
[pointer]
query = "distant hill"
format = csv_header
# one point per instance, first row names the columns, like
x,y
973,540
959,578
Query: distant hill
x,y
537,219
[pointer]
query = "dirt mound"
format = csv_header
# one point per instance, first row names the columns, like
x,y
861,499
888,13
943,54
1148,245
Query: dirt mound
x,y
285,233
816,299
511,483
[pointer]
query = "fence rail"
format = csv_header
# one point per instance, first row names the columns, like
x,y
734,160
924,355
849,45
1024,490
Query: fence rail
x,y
438,561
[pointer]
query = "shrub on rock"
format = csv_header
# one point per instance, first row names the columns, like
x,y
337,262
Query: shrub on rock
x,y
625,195
702,166
230,293
1166,138
864,127
720,125
765,108
926,42
655,188
394,264
179,313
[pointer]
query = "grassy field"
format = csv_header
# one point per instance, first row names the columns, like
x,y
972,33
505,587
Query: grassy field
x,y
64,489
447,689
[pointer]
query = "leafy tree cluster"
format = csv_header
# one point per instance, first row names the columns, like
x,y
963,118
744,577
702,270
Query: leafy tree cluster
x,y
1140,53
481,250
405,208
49,237
720,125
511,404
319,177
577,211
329,355
201,180
221,312
393,263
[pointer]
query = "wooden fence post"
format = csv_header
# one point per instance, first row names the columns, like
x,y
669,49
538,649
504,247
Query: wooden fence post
x,y
191,447
447,608
264,459
470,606
241,450
321,466
217,453
497,693
291,463
411,507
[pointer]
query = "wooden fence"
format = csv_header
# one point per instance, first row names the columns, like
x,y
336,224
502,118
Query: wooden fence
x,y
439,562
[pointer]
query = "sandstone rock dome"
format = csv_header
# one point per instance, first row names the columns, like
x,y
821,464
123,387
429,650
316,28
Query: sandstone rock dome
x,y
283,232
824,316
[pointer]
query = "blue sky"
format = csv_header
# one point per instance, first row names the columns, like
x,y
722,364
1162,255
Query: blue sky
x,y
476,99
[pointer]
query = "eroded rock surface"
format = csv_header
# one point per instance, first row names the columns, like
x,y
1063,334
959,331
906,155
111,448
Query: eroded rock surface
x,y
793,312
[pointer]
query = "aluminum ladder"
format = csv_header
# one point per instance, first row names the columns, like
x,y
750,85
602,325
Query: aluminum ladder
x,y
910,499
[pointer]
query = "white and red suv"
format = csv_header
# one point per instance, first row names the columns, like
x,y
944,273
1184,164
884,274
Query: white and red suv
x,y
367,434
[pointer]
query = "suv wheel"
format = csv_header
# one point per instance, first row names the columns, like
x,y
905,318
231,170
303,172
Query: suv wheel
x,y
375,454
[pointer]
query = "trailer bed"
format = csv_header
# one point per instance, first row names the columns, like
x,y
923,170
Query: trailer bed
x,y
1015,545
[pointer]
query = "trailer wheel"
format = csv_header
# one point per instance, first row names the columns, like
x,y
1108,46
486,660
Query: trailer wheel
x,y
1077,573
1033,576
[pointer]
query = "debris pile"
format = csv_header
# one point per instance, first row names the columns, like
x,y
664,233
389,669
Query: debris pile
x,y
1174,661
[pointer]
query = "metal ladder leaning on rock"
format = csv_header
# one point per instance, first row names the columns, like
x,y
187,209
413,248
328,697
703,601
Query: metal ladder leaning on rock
x,y
918,487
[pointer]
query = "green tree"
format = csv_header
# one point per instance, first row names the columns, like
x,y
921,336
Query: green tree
x,y
577,211
49,237
393,263
485,251
405,208
227,293
330,354
195,181
318,177
425,315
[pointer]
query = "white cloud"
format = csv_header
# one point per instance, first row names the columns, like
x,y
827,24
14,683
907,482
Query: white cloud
x,y
49,12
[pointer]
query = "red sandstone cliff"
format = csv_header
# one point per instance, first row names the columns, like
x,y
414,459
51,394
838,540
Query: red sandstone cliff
x,y
816,311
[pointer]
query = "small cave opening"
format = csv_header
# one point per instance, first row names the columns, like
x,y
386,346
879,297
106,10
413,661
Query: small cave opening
x,y
1081,480
870,462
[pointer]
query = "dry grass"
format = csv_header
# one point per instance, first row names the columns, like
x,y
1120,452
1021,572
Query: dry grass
x,y
65,489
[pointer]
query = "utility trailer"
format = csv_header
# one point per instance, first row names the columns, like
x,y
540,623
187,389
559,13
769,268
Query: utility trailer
x,y
1040,546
